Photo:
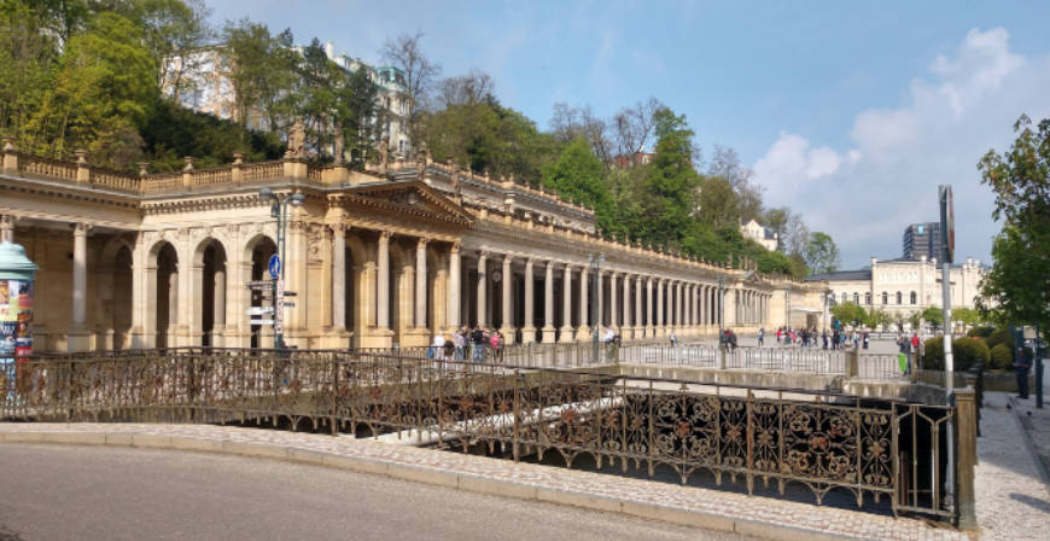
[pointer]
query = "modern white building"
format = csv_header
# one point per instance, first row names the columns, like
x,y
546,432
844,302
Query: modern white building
x,y
903,286
760,234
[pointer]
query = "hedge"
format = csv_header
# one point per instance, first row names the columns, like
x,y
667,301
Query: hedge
x,y
1002,357
965,353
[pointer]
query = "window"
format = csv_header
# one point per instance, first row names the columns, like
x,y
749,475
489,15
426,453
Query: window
x,y
844,298
867,298
914,297
899,298
885,298
856,298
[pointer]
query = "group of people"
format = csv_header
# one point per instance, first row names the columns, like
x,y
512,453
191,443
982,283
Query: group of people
x,y
810,338
468,342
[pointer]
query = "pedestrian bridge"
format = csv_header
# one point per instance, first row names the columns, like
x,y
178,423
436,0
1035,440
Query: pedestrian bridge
x,y
572,405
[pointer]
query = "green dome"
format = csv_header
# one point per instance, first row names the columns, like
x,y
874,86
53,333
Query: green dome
x,y
14,265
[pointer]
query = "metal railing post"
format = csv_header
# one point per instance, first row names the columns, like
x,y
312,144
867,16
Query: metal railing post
x,y
966,456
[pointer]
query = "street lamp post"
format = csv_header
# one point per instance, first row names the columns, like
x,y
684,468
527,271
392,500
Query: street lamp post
x,y
595,262
279,210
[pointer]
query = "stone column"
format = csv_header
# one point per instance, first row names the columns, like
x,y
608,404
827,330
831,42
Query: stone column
x,y
660,330
338,278
583,332
566,306
548,304
528,331
649,329
626,331
421,283
453,287
79,339
679,290
639,326
383,281
482,290
218,327
506,281
613,317
7,228
599,318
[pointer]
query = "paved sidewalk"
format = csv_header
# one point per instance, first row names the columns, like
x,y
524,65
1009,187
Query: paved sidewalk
x,y
1012,500
710,509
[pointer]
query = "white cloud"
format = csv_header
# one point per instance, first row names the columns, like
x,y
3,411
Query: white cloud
x,y
865,195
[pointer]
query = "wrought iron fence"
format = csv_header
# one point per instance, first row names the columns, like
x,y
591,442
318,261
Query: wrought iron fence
x,y
869,449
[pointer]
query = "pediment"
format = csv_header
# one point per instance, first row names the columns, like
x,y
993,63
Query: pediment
x,y
409,198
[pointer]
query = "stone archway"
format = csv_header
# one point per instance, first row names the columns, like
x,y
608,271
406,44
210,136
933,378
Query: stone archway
x,y
164,282
210,286
115,281
257,252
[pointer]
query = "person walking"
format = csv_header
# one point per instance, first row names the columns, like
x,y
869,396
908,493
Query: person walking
x,y
459,341
1021,368
496,342
761,336
477,342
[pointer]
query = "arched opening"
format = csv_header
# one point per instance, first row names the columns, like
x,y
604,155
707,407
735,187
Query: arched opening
x,y
867,298
167,295
856,298
900,298
211,285
914,297
260,249
885,298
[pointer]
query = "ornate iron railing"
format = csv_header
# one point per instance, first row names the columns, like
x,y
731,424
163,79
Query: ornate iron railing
x,y
826,442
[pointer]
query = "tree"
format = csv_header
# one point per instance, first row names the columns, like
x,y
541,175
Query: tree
x,y
822,256
28,56
933,315
406,54
671,183
914,320
102,93
718,204
569,123
634,126
776,219
796,237
173,30
261,68
849,313
967,316
577,175
876,319
726,164
1019,280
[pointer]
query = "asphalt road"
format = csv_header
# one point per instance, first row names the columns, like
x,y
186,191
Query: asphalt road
x,y
105,493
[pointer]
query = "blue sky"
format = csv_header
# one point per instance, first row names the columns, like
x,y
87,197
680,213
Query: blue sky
x,y
849,112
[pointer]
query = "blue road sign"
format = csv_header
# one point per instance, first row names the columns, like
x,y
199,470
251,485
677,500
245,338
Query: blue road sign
x,y
275,266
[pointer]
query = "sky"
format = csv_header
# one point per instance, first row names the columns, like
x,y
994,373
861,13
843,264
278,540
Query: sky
x,y
849,113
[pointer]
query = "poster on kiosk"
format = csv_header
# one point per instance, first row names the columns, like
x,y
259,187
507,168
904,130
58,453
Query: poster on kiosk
x,y
16,314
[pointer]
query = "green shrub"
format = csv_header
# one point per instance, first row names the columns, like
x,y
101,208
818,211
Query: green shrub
x,y
934,357
965,352
1001,336
983,331
969,351
1002,357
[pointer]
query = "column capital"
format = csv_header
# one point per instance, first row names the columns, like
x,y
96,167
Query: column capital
x,y
482,254
386,234
81,228
456,246
422,241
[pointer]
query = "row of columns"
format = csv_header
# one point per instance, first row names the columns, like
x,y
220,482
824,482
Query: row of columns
x,y
681,306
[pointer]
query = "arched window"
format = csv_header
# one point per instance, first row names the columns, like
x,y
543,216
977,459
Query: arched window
x,y
856,298
885,298
845,299
867,298
914,297
900,299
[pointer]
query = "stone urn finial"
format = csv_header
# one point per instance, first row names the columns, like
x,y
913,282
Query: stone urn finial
x,y
189,164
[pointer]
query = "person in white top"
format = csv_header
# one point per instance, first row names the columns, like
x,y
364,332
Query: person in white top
x,y
439,347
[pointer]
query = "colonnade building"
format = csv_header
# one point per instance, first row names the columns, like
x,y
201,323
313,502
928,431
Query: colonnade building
x,y
379,258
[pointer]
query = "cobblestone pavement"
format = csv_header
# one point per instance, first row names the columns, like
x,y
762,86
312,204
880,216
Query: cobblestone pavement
x,y
759,514
1036,422
1012,501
